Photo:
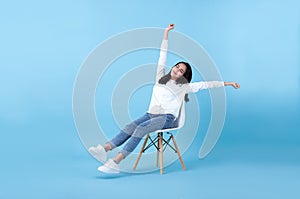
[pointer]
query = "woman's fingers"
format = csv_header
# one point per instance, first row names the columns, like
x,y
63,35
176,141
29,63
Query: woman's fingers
x,y
236,85
171,26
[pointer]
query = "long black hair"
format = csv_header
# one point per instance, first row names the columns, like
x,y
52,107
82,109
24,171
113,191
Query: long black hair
x,y
185,79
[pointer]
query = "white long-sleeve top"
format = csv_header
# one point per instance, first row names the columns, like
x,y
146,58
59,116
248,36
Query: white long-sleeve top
x,y
167,99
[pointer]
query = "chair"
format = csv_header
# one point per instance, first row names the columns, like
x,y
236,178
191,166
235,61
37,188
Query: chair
x,y
160,143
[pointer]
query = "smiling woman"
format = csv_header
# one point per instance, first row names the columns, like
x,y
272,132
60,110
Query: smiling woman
x,y
168,94
179,69
44,45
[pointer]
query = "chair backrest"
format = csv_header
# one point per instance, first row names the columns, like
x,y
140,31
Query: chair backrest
x,y
179,122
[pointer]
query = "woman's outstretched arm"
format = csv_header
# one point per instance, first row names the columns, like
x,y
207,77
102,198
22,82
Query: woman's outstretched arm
x,y
196,86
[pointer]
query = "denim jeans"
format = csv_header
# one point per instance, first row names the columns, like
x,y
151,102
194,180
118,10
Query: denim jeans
x,y
137,129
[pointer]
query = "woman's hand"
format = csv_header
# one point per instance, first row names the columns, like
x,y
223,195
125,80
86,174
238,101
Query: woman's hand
x,y
170,27
233,84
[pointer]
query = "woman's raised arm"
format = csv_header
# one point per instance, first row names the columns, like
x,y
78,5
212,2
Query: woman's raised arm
x,y
163,54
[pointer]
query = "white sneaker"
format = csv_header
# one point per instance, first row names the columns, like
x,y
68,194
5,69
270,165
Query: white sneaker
x,y
110,167
98,152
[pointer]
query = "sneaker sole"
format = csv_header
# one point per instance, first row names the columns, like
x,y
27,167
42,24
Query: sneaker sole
x,y
104,169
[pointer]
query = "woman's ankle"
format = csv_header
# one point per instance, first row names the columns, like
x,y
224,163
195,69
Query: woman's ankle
x,y
107,147
118,158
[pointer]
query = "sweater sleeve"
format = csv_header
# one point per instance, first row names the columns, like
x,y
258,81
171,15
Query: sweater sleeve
x,y
162,60
196,86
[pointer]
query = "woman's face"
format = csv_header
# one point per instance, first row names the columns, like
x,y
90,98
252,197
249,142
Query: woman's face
x,y
178,71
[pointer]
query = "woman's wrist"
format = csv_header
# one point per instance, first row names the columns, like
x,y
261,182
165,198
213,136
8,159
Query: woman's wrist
x,y
228,83
166,34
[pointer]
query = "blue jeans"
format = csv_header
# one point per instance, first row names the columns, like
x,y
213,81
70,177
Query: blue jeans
x,y
137,129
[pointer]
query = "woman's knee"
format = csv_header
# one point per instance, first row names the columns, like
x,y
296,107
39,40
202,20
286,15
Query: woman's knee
x,y
130,128
140,131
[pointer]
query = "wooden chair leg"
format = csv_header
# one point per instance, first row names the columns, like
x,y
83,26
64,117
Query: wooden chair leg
x,y
141,152
161,149
157,151
178,153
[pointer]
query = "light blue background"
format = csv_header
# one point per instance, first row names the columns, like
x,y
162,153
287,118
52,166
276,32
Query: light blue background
x,y
256,43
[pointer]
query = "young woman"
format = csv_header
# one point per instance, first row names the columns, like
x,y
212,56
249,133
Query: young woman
x,y
168,94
